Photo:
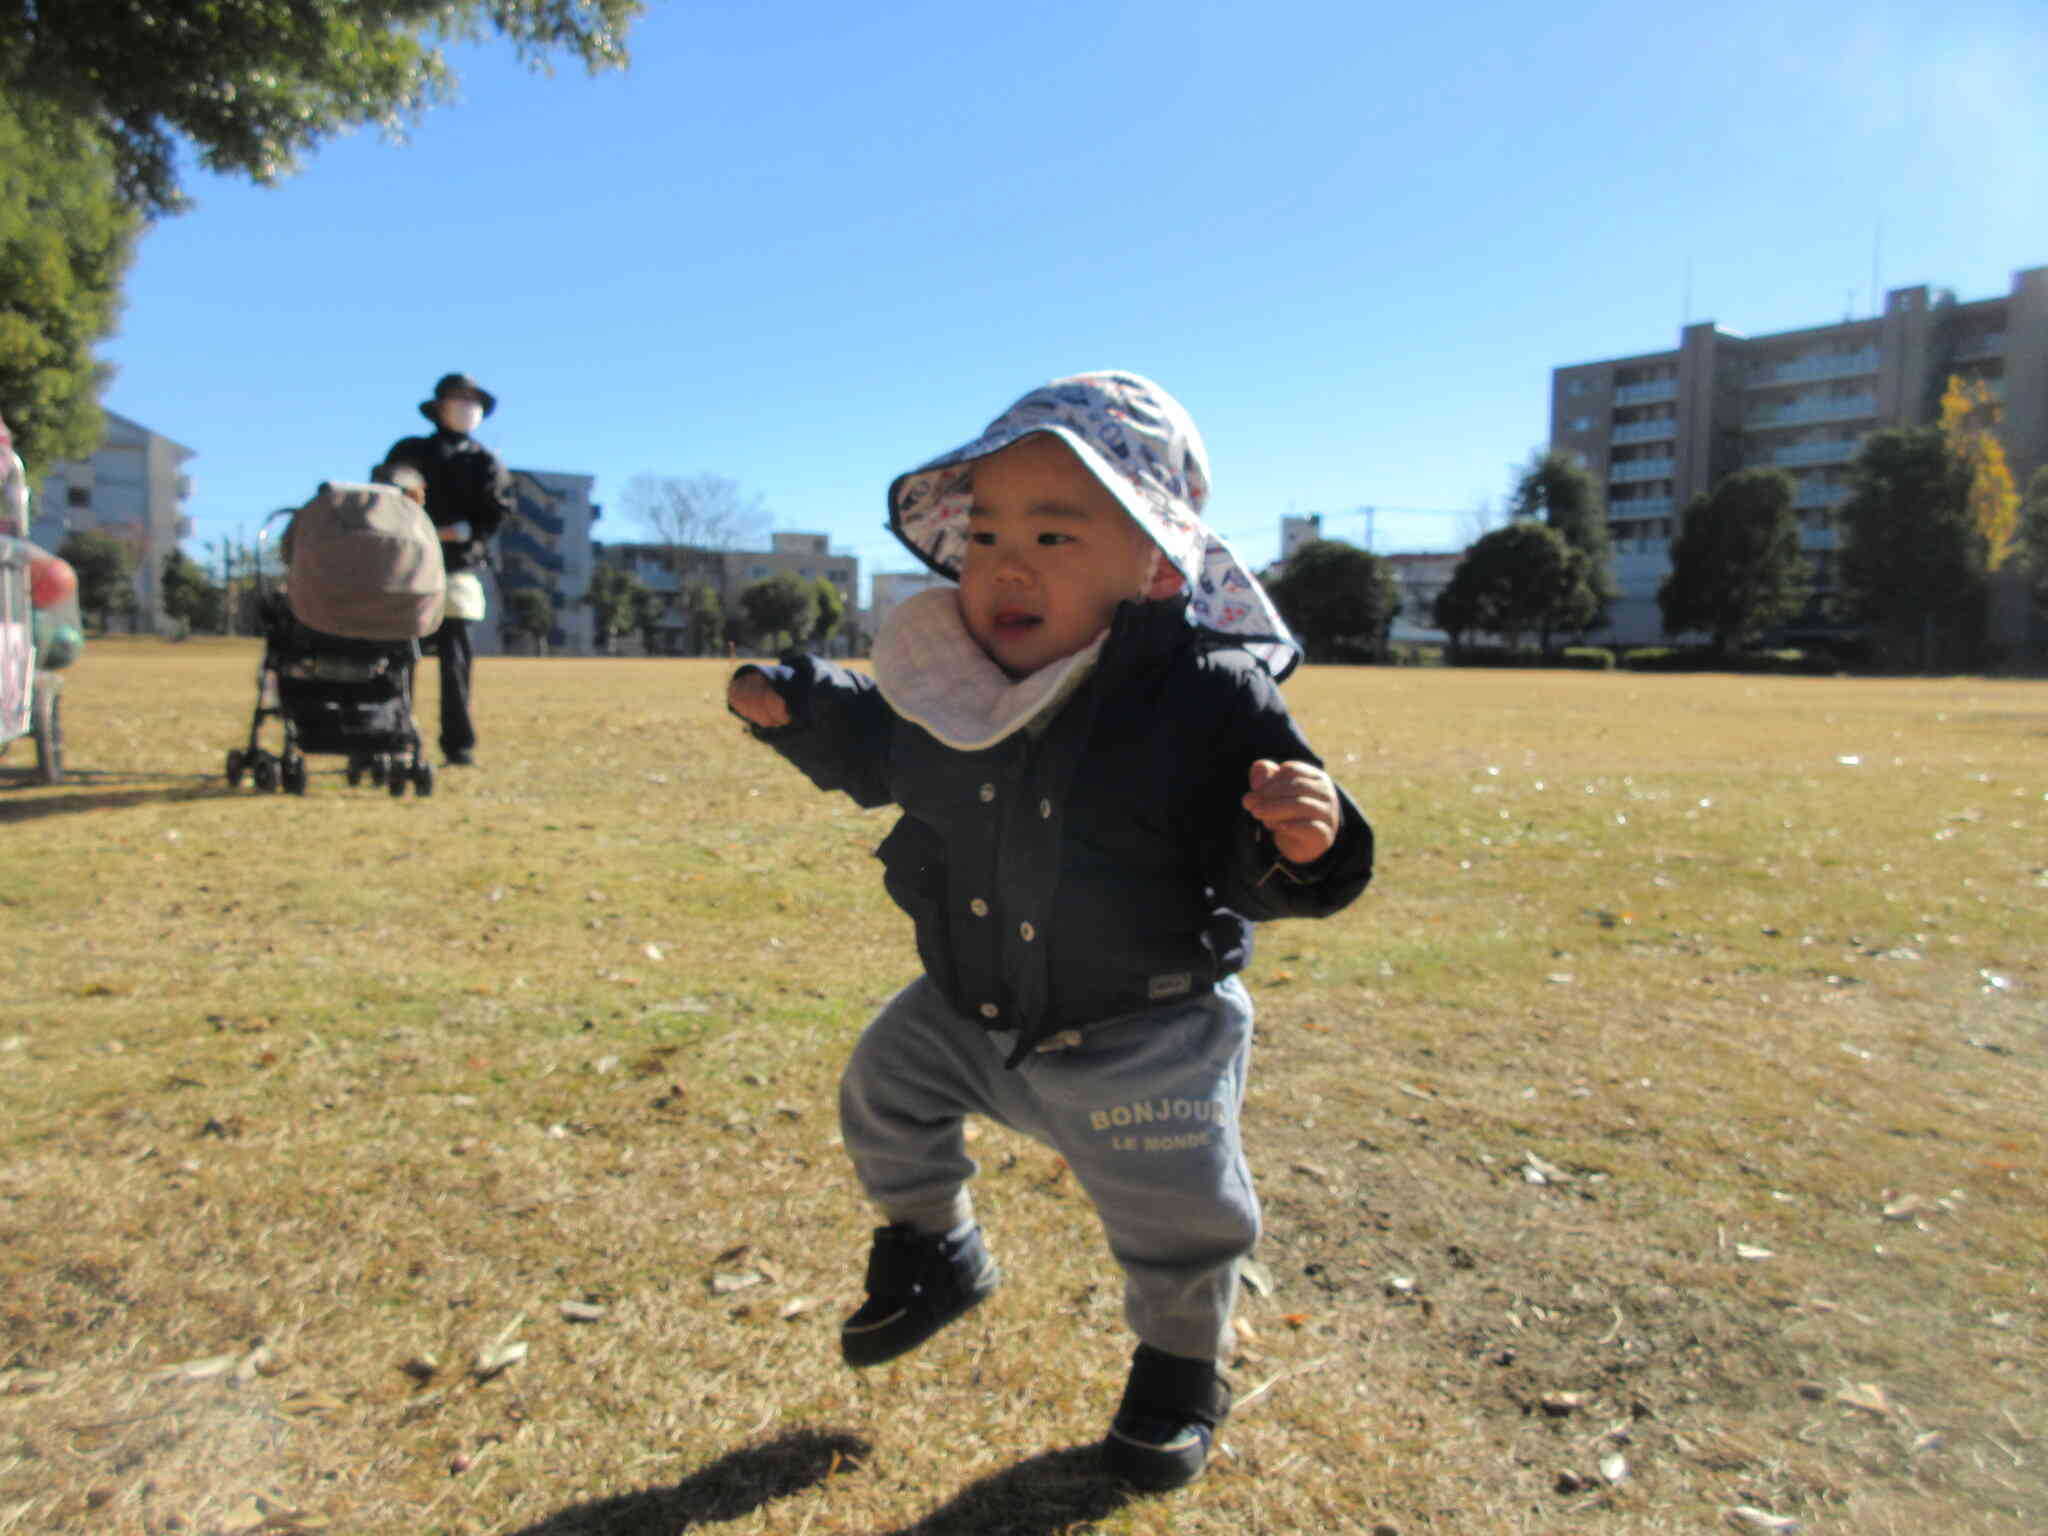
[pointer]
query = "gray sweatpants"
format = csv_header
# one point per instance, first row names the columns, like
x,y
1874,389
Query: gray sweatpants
x,y
1144,1109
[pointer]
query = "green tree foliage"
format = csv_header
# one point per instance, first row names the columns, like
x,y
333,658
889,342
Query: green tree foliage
x,y
1338,599
191,597
831,611
1911,567
1557,489
2032,539
704,618
1524,579
1736,569
65,244
256,84
779,610
650,617
106,573
612,595
528,612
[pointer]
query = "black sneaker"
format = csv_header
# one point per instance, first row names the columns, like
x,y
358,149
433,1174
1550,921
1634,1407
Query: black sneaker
x,y
462,759
1163,1428
916,1285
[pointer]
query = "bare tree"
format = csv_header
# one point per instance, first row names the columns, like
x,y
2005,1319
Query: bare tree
x,y
697,512
1478,520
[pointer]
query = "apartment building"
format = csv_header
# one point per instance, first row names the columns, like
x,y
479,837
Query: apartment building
x,y
1659,428
545,545
671,569
134,487
890,590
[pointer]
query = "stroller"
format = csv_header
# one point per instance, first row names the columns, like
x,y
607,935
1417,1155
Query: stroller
x,y
363,585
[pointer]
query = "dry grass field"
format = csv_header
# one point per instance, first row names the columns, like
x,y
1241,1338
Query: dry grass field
x,y
1657,1147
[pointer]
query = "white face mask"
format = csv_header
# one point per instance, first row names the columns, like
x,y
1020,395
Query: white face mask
x,y
461,415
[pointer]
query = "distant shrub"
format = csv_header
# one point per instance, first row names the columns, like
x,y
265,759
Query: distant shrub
x,y
1416,655
1789,661
1588,658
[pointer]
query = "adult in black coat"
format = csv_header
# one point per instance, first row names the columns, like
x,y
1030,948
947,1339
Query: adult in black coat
x,y
469,495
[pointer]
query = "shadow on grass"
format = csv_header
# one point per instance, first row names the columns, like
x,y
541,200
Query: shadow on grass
x,y
1052,1492
732,1486
84,790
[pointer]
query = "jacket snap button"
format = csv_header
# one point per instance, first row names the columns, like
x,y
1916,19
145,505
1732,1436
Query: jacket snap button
x,y
988,792
988,1010
1026,932
1045,809
978,907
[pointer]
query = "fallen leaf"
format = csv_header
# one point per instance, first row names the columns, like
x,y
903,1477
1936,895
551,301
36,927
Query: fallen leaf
x,y
197,1370
1743,1517
498,1358
1867,1396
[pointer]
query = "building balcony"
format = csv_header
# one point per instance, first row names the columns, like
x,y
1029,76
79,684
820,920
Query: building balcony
x,y
1636,511
1647,394
1644,431
1820,496
1837,450
1991,345
1640,469
1844,408
1805,370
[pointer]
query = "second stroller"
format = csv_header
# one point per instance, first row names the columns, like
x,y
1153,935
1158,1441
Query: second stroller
x,y
363,585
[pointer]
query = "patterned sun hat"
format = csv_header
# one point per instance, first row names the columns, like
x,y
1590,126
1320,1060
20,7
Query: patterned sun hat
x,y
1143,446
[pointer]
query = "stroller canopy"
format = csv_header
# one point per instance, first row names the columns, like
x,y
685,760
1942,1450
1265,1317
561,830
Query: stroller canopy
x,y
363,562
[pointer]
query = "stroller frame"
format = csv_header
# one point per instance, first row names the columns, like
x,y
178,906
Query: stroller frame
x,y
304,672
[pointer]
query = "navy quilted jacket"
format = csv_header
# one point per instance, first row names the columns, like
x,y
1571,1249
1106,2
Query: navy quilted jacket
x,y
1096,868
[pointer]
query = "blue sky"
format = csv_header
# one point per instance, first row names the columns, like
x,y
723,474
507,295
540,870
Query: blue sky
x,y
804,249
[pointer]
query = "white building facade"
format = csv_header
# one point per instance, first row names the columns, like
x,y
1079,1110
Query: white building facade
x,y
134,487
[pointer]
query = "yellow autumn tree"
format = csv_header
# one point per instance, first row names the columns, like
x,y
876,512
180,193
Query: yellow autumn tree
x,y
1970,414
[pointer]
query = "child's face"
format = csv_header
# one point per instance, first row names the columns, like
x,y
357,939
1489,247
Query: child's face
x,y
1050,554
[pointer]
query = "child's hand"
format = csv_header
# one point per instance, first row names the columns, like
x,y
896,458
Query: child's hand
x,y
1297,803
755,698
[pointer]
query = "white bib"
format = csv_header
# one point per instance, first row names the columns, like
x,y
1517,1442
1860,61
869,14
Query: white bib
x,y
933,674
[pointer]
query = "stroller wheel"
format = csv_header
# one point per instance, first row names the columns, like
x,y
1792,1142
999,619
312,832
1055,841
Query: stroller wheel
x,y
294,774
397,783
235,766
355,772
423,779
264,773
380,767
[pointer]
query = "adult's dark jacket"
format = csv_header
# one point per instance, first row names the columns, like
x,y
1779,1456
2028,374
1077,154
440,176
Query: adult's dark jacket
x,y
466,483
1095,868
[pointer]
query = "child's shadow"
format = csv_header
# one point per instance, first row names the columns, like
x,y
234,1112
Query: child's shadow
x,y
1053,1492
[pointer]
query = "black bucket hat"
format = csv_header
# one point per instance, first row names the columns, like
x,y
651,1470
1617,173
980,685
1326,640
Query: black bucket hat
x,y
448,384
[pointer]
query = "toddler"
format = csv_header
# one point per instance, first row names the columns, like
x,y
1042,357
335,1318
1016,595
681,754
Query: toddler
x,y
1101,791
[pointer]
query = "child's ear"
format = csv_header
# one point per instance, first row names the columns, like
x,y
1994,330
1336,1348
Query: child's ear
x,y
1166,580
